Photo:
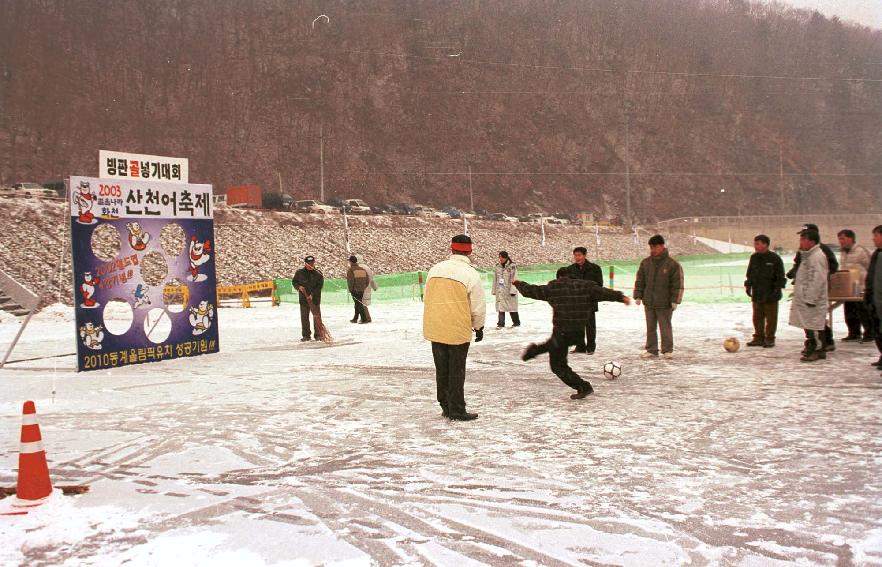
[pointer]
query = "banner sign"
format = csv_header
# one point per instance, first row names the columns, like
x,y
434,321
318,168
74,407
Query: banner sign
x,y
144,271
119,165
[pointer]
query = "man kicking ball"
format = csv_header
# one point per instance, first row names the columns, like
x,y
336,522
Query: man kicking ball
x,y
572,302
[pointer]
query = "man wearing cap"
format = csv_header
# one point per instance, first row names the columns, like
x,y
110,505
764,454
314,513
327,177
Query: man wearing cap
x,y
659,287
833,265
453,307
357,281
853,256
308,282
809,308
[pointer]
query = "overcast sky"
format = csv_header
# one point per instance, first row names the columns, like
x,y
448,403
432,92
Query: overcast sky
x,y
866,12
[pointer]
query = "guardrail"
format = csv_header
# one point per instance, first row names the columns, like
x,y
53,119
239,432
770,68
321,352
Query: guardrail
x,y
244,290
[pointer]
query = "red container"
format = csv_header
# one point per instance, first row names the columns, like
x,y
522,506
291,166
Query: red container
x,y
250,196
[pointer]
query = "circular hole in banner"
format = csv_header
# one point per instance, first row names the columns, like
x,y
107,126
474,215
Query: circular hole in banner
x,y
118,316
154,269
157,325
175,295
105,242
172,239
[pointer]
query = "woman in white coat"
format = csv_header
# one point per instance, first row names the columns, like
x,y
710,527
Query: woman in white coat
x,y
506,294
809,308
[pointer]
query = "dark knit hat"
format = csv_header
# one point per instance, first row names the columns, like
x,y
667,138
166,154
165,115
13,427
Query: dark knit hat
x,y
353,259
309,260
657,240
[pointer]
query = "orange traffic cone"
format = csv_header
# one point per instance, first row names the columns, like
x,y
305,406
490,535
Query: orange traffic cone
x,y
33,472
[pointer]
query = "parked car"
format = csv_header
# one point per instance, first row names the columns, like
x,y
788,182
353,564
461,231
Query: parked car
x,y
502,217
356,207
56,186
336,202
453,212
402,209
381,209
32,190
313,206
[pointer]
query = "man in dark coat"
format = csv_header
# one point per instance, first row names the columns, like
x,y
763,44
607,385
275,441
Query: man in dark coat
x,y
833,264
573,301
873,290
764,282
582,269
308,281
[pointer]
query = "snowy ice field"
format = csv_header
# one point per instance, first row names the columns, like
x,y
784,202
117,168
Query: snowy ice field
x,y
274,452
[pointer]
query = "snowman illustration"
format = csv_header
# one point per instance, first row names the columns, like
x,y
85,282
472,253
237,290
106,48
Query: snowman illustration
x,y
201,316
92,335
85,200
198,255
87,290
138,237
140,295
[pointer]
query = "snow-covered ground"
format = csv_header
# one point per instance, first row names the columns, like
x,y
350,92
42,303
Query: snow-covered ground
x,y
275,452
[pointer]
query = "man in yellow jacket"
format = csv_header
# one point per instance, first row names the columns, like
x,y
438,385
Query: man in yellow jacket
x,y
453,307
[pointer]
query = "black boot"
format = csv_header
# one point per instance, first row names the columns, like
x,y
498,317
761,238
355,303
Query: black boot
x,y
500,323
582,392
515,319
465,416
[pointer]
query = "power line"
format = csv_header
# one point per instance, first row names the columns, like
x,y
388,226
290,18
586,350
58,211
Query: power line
x,y
683,74
633,173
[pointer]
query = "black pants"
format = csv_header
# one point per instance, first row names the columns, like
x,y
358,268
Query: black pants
x,y
815,340
587,340
360,309
450,365
304,320
556,347
857,315
875,310
515,318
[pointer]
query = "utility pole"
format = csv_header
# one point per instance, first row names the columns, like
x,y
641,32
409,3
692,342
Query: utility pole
x,y
628,110
471,195
280,181
781,175
322,162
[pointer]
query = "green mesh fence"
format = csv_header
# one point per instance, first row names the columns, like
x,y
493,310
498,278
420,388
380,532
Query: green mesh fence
x,y
709,279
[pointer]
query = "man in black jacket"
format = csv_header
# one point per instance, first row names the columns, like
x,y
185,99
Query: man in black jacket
x,y
582,269
308,281
572,302
833,263
873,291
764,282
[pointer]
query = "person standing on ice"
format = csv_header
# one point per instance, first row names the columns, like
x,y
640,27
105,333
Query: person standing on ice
x,y
372,286
506,296
572,301
582,269
308,281
833,264
357,281
763,284
873,291
659,287
809,308
853,256
453,307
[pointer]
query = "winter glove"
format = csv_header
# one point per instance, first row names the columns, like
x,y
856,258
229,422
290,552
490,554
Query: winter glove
x,y
748,291
479,334
674,307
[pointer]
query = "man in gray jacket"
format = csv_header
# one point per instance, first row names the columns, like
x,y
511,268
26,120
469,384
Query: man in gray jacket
x,y
809,308
659,288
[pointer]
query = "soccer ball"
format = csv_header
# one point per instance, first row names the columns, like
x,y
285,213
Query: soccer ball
x,y
612,370
731,344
